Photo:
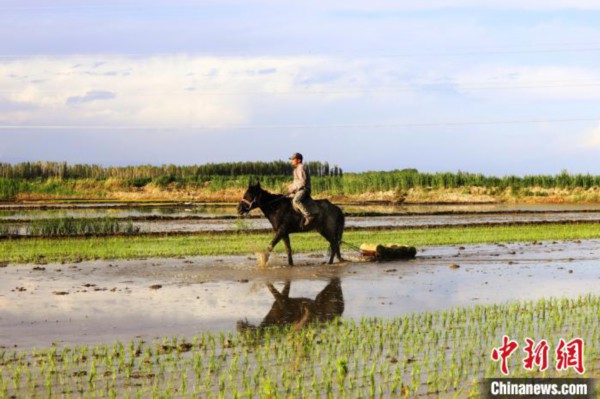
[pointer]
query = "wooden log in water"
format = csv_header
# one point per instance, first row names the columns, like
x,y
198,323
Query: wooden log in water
x,y
368,249
388,251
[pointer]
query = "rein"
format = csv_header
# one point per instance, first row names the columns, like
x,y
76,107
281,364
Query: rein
x,y
275,200
253,202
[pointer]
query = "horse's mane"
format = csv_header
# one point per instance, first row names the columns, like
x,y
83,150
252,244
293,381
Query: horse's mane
x,y
278,195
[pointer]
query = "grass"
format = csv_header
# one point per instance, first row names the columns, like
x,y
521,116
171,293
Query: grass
x,y
69,249
433,354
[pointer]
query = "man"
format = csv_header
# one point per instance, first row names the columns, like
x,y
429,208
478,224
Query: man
x,y
300,187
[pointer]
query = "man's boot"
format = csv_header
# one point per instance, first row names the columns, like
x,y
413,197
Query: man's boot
x,y
308,218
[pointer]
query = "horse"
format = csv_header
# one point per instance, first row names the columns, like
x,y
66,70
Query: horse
x,y
298,312
329,222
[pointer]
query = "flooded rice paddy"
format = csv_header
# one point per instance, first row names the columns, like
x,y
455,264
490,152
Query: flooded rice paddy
x,y
104,301
198,218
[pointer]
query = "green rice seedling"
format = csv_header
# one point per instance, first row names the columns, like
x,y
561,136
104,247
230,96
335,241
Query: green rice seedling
x,y
71,226
391,364
70,248
8,231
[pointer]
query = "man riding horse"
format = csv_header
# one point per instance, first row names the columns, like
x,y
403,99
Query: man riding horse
x,y
295,215
300,187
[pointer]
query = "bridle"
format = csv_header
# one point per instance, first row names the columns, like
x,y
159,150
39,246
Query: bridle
x,y
249,203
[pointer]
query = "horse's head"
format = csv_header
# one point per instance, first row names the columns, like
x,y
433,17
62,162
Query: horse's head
x,y
251,199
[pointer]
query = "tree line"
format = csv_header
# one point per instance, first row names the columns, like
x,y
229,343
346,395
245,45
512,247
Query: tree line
x,y
60,178
63,170
411,178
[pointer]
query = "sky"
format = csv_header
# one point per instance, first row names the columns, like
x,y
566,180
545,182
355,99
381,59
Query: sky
x,y
496,87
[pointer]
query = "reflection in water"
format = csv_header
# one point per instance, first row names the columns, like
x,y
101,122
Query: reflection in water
x,y
299,312
206,291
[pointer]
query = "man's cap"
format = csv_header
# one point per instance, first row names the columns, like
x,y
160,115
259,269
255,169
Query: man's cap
x,y
296,155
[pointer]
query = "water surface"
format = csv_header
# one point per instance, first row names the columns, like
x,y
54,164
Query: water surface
x,y
103,301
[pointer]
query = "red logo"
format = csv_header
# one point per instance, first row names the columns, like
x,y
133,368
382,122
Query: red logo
x,y
537,355
503,353
570,354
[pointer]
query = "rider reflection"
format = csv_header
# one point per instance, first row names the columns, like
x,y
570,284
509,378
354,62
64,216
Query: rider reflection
x,y
299,312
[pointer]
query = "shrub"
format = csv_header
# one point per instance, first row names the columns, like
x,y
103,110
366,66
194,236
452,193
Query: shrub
x,y
164,180
9,188
140,182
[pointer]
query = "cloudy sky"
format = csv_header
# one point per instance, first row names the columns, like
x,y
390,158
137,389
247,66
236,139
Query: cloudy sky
x,y
495,86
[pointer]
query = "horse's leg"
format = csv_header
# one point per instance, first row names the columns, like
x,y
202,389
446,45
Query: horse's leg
x,y
331,251
339,246
328,236
335,250
288,248
278,236
339,253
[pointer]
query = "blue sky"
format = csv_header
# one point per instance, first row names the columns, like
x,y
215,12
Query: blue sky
x,y
498,87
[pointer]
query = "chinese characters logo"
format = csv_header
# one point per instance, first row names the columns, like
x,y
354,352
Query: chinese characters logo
x,y
567,354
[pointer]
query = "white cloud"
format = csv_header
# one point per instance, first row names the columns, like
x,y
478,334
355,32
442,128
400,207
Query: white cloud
x,y
175,91
133,91
180,91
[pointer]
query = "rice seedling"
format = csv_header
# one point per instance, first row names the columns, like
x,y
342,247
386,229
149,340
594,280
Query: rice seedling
x,y
135,246
444,353
7,231
77,227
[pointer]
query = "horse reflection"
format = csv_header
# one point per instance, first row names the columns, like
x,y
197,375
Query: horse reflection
x,y
299,312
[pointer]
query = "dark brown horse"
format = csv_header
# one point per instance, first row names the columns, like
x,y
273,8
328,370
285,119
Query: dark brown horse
x,y
329,222
299,312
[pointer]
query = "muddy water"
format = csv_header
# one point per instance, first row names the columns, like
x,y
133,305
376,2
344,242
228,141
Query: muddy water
x,y
373,222
103,301
119,210
205,222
